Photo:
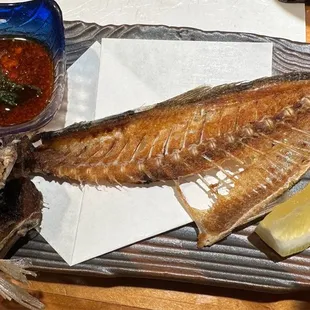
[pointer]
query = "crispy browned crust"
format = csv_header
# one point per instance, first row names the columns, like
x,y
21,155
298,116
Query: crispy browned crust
x,y
281,159
167,141
21,205
262,124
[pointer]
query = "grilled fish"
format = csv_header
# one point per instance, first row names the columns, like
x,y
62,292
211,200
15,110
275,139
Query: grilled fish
x,y
263,127
20,211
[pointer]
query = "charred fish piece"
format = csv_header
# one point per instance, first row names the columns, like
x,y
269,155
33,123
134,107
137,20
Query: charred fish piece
x,y
20,211
262,126
20,202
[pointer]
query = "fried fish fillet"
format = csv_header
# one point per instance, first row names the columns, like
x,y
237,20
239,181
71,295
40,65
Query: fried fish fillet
x,y
262,126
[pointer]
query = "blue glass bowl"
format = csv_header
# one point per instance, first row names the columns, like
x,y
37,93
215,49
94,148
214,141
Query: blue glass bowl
x,y
40,20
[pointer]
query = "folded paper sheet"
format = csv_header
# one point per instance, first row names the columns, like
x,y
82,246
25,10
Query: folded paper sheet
x,y
82,223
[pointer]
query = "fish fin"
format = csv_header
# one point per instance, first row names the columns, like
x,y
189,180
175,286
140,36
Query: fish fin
x,y
16,269
202,92
195,94
205,92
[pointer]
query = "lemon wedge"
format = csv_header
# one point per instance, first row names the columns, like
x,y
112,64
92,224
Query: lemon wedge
x,y
287,228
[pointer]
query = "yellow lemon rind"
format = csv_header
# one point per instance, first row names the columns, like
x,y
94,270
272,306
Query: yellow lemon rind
x,y
282,247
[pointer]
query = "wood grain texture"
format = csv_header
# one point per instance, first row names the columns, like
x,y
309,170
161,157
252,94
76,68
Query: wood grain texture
x,y
65,292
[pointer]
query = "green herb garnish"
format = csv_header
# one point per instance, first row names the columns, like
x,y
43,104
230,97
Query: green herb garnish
x,y
13,94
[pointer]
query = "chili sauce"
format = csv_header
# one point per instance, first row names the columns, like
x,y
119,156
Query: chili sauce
x,y
26,62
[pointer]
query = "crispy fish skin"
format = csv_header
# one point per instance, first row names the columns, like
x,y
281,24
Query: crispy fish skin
x,y
262,125
20,211
167,141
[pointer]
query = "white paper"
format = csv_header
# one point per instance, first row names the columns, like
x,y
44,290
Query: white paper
x,y
84,223
63,202
267,17
135,73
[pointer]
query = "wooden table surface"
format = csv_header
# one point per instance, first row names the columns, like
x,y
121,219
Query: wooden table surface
x,y
59,292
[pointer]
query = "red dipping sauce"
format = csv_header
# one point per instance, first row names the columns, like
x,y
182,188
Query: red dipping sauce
x,y
26,62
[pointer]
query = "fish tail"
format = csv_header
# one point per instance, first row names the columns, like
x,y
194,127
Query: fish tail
x,y
17,270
